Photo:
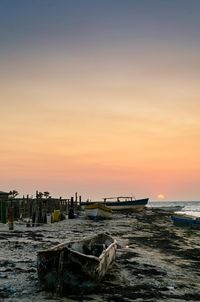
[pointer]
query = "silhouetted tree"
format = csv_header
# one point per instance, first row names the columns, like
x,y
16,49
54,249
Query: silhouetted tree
x,y
46,194
39,194
13,194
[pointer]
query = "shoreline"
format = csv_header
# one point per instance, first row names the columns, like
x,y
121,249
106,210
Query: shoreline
x,y
156,261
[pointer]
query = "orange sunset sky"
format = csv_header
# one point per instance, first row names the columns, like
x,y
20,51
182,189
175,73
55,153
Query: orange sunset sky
x,y
100,97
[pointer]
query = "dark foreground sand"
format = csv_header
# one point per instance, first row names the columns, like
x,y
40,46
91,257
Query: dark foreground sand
x,y
155,260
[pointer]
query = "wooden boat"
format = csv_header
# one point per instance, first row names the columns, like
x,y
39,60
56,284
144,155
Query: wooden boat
x,y
186,221
121,203
70,265
98,211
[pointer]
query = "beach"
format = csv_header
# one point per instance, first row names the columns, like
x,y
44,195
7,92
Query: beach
x,y
155,261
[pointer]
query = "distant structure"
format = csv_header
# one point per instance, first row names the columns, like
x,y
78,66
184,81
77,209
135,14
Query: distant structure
x,y
37,208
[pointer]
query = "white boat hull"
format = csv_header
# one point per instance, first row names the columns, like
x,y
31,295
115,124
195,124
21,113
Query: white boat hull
x,y
98,213
136,208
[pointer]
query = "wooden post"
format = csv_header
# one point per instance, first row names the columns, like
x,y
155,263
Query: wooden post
x,y
71,209
11,218
72,201
76,201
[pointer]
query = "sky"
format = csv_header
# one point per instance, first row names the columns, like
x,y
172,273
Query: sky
x,y
100,97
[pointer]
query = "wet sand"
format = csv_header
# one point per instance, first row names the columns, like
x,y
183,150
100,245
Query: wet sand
x,y
156,261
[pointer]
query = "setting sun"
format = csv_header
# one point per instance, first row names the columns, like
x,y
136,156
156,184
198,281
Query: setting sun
x,y
161,196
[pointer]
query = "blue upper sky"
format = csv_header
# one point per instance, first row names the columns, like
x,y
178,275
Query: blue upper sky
x,y
91,23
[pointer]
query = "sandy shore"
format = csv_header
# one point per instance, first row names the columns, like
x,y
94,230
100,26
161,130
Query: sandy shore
x,y
156,261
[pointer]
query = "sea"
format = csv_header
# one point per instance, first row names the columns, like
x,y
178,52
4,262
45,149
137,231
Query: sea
x,y
191,208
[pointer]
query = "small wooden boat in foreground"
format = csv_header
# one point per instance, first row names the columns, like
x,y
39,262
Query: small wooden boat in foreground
x,y
186,221
98,211
68,265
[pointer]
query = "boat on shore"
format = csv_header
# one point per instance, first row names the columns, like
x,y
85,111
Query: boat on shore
x,y
98,211
70,265
186,221
121,203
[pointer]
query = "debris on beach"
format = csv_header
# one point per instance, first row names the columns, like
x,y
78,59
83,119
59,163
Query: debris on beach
x,y
156,261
